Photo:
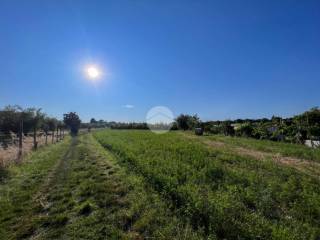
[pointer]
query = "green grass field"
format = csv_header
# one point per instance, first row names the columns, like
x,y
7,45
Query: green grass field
x,y
285,149
127,184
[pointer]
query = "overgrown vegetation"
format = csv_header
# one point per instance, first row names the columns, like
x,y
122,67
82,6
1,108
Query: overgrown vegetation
x,y
226,195
20,184
296,129
285,149
15,120
76,190
72,121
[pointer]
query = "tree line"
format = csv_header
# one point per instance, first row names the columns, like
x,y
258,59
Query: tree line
x,y
16,121
294,129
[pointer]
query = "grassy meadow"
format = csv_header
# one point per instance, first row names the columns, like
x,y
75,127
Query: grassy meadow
x,y
285,149
134,184
222,194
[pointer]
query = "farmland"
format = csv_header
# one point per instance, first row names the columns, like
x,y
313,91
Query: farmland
x,y
134,184
222,193
76,190
159,120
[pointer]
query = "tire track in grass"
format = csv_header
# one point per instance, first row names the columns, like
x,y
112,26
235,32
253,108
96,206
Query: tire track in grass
x,y
41,196
143,214
27,227
17,193
249,200
73,196
88,196
41,199
310,168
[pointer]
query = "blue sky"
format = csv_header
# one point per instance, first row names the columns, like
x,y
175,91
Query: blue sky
x,y
219,59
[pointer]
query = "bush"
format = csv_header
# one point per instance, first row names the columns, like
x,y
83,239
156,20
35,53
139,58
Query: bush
x,y
245,130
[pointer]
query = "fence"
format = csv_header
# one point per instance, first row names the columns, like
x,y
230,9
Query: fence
x,y
14,146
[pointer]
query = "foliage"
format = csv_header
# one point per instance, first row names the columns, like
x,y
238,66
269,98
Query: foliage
x,y
32,119
72,121
245,130
227,128
296,129
9,119
93,121
187,122
51,123
182,121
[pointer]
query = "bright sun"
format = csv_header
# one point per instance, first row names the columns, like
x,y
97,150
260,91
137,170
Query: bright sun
x,y
93,72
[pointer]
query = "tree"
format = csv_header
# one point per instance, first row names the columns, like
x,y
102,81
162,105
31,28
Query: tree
x,y
10,118
185,121
246,130
60,127
93,121
228,129
45,127
174,126
182,121
193,122
276,120
261,130
307,125
73,122
52,123
37,119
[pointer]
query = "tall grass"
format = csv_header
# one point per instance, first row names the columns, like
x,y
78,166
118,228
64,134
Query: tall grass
x,y
78,191
225,195
285,149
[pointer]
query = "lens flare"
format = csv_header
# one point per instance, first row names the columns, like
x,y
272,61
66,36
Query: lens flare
x,y
92,72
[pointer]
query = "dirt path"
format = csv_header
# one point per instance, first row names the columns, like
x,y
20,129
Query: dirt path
x,y
308,167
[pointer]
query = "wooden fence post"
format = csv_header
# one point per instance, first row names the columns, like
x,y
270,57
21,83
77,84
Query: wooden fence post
x,y
35,143
20,138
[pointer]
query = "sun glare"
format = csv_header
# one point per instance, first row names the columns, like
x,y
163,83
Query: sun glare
x,y
93,72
